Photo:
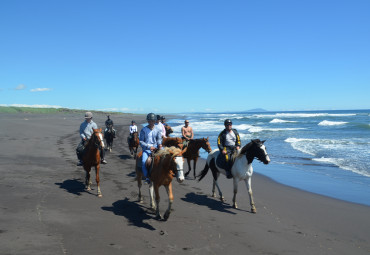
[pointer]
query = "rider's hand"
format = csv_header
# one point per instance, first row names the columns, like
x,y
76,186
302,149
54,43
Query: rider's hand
x,y
224,152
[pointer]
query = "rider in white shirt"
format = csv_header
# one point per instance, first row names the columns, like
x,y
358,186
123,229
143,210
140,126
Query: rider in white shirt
x,y
160,126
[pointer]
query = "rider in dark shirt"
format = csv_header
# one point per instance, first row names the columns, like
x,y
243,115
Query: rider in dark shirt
x,y
108,124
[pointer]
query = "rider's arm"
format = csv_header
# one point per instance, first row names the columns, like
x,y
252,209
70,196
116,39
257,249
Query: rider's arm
x,y
192,133
237,142
220,142
159,140
82,129
143,144
183,132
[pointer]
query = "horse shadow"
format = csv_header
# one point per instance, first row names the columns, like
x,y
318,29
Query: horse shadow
x,y
204,200
133,212
74,186
124,157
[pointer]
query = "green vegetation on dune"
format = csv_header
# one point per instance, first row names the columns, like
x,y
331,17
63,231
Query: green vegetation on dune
x,y
16,109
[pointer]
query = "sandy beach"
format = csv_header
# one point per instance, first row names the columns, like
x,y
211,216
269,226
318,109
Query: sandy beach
x,y
44,208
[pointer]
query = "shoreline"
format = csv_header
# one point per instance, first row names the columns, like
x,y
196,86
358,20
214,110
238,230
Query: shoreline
x,y
45,209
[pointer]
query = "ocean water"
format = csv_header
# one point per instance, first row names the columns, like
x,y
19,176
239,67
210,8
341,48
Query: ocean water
x,y
325,152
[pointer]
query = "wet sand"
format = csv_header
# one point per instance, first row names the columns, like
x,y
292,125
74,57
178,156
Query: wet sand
x,y
44,208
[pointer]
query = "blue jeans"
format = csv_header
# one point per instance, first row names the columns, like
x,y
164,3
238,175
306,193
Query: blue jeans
x,y
145,156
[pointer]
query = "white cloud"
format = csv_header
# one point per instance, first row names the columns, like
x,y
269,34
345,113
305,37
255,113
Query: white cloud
x,y
20,87
40,89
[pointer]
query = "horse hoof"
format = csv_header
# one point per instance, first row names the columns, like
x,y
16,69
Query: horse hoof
x,y
166,216
254,210
223,200
100,195
88,188
235,206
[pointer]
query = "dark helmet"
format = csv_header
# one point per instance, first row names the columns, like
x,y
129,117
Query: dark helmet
x,y
158,117
227,121
108,116
132,122
163,118
151,116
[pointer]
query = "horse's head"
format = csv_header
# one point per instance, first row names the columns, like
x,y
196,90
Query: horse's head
x,y
260,151
97,137
206,145
168,130
177,163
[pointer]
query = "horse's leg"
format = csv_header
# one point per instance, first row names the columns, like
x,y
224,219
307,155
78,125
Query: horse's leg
x,y
87,179
235,191
194,165
157,200
189,167
215,183
248,182
151,196
170,201
139,184
97,170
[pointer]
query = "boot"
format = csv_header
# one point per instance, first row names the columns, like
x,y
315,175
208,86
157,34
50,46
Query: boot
x,y
228,174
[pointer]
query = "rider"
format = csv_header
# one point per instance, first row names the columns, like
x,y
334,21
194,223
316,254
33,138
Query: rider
x,y
86,130
163,120
108,124
150,139
133,129
187,133
228,140
160,126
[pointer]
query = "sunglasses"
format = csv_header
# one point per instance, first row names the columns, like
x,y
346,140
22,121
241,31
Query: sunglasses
x,y
229,124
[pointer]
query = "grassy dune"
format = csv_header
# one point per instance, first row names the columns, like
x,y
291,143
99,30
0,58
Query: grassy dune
x,y
15,109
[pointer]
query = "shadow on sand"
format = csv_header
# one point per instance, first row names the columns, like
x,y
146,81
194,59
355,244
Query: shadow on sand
x,y
124,157
74,186
204,200
133,212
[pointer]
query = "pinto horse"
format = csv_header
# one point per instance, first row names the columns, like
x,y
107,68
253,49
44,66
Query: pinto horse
x,y
91,158
241,170
168,130
133,144
109,136
192,152
167,162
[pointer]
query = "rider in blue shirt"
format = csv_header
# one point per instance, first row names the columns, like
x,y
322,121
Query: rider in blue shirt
x,y
150,139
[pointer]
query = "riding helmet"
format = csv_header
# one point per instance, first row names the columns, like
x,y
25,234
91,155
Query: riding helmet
x,y
227,121
88,115
132,122
158,117
151,116
163,118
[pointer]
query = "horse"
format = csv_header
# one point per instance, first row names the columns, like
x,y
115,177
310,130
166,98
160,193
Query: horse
x,y
109,136
166,163
168,130
192,152
91,158
172,141
241,170
133,144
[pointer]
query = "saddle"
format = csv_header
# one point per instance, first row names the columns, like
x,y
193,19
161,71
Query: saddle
x,y
222,163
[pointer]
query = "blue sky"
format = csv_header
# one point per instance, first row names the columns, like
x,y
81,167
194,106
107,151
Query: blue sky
x,y
182,56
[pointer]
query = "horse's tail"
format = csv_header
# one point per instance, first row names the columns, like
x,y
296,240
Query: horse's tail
x,y
203,173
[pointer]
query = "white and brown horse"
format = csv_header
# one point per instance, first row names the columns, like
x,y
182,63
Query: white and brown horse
x,y
167,163
241,170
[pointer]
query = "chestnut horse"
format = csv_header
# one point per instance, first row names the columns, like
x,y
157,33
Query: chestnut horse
x,y
192,152
172,141
91,158
167,162
133,144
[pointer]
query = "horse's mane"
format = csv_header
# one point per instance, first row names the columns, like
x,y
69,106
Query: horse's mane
x,y
244,150
173,151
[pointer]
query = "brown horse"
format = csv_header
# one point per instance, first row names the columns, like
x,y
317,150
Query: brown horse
x,y
133,144
167,162
172,141
191,152
91,158
168,130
